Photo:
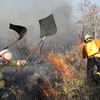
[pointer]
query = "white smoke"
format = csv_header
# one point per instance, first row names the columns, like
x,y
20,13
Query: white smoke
x,y
27,13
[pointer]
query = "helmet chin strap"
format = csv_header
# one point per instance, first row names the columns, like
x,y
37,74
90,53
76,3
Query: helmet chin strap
x,y
88,40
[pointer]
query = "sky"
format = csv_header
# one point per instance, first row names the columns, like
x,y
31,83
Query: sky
x,y
28,12
74,3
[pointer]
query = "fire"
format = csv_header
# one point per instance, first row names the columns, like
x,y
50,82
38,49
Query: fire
x,y
53,91
45,92
60,64
80,43
48,90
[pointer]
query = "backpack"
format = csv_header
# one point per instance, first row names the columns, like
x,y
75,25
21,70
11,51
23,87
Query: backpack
x,y
91,48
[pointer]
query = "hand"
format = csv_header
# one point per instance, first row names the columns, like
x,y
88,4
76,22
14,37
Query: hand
x,y
21,63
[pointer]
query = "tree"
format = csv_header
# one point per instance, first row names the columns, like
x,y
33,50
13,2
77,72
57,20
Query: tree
x,y
89,19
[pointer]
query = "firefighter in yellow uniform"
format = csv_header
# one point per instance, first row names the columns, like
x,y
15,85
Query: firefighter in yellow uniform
x,y
91,51
6,60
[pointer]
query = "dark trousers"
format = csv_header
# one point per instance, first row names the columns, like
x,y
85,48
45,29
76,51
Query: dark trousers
x,y
91,62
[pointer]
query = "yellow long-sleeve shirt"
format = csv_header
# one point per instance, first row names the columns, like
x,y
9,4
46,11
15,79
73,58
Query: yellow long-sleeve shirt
x,y
84,53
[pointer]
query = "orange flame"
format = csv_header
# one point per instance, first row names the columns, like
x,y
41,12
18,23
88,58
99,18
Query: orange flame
x,y
47,90
53,91
59,63
47,94
80,43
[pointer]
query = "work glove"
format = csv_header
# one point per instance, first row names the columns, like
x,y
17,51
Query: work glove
x,y
21,63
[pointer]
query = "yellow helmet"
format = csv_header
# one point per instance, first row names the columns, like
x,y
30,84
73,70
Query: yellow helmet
x,y
87,38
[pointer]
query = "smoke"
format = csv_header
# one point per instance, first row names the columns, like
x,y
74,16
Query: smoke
x,y
27,13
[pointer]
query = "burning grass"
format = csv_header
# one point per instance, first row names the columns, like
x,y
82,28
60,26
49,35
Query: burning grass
x,y
72,81
64,79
